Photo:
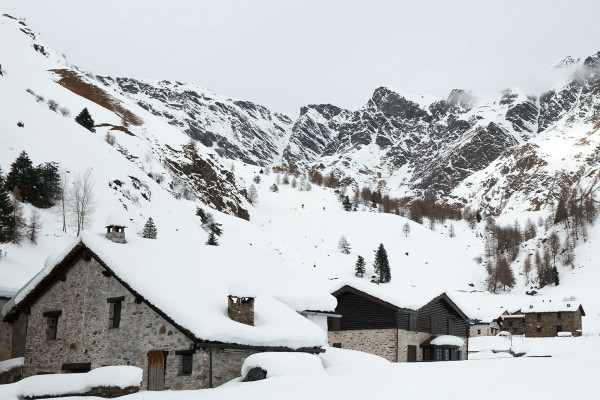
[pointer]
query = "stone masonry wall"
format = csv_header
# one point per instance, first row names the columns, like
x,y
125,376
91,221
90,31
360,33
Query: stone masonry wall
x,y
83,333
5,335
381,342
548,322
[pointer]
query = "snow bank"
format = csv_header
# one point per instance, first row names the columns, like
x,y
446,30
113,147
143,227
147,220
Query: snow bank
x,y
350,360
285,364
68,384
12,363
447,340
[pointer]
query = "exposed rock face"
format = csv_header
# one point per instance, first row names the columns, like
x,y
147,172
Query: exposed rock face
x,y
421,143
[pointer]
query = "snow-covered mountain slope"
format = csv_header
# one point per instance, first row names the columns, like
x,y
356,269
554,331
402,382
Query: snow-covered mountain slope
x,y
153,170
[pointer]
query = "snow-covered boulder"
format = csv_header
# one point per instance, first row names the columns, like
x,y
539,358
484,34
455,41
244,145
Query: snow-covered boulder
x,y
285,364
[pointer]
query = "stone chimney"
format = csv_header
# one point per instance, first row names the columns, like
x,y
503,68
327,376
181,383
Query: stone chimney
x,y
115,228
116,233
241,309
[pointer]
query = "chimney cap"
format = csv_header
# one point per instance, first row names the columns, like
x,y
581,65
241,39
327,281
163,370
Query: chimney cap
x,y
117,219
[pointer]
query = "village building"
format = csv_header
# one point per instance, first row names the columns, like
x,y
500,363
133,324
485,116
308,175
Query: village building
x,y
188,317
545,318
484,328
513,323
407,326
549,318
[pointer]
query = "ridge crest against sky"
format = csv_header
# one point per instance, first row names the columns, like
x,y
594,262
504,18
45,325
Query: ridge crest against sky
x,y
286,54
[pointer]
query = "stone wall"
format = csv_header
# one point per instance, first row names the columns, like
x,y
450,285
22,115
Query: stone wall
x,y
84,335
490,329
515,326
5,335
548,323
381,342
385,343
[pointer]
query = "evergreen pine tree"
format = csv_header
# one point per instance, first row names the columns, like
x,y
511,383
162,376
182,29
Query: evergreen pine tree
x,y
382,265
48,188
6,213
359,269
149,229
347,204
22,174
212,239
85,119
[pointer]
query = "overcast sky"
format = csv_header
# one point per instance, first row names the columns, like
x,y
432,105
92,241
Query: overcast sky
x,y
285,54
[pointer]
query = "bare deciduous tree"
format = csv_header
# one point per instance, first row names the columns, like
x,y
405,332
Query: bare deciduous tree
x,y
34,226
83,203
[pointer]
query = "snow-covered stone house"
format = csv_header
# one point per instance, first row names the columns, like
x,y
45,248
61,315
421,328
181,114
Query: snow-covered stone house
x,y
188,316
545,319
399,325
484,328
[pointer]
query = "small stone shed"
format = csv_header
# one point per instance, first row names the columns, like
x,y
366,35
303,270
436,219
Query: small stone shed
x,y
157,306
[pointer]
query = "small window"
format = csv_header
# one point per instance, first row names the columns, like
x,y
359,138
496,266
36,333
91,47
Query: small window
x,y
76,368
539,316
559,328
187,362
427,354
114,312
538,329
52,324
337,345
479,331
559,315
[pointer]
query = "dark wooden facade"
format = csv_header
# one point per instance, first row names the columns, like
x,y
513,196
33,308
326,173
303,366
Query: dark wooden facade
x,y
362,311
373,325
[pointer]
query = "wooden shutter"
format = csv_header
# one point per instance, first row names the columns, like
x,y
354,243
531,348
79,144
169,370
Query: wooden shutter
x,y
156,370
434,324
412,322
451,326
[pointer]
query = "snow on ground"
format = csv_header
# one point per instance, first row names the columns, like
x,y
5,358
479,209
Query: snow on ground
x,y
285,364
65,384
570,372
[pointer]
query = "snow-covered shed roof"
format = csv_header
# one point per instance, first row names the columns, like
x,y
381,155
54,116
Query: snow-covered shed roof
x,y
552,306
405,297
194,284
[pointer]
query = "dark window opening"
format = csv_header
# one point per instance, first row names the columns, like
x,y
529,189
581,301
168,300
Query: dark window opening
x,y
479,331
559,328
187,362
539,316
559,315
538,329
52,324
76,368
441,353
114,312
337,345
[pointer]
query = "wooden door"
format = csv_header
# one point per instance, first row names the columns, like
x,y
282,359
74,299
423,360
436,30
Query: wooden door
x,y
156,370
412,353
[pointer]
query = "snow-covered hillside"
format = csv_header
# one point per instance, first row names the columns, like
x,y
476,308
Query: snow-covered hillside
x,y
153,170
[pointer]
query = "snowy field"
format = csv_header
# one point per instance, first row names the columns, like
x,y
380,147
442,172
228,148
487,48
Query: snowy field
x,y
569,372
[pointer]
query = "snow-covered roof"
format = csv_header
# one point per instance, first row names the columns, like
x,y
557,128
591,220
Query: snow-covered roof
x,y
551,306
447,340
195,282
7,292
409,297
513,316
